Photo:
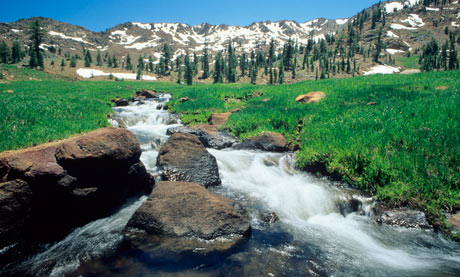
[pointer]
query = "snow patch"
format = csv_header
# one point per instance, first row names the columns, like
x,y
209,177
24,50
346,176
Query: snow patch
x,y
395,51
393,6
395,26
88,73
341,21
455,24
68,37
414,20
382,69
392,35
145,26
124,38
15,30
432,9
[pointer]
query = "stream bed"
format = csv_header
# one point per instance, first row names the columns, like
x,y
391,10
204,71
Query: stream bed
x,y
314,236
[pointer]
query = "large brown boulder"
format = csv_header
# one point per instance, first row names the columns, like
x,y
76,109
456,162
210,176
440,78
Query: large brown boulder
x,y
48,189
184,158
182,209
219,119
311,97
146,93
267,141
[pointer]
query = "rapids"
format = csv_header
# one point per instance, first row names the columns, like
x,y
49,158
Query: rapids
x,y
317,233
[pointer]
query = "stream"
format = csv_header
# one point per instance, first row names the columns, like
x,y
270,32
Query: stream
x,y
316,234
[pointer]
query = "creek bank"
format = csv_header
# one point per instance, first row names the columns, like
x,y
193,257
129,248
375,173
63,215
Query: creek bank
x,y
187,210
48,189
184,158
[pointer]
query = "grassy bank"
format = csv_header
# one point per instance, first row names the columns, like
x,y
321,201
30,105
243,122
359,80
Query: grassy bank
x,y
404,148
36,107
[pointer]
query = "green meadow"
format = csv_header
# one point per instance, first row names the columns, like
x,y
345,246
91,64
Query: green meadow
x,y
395,136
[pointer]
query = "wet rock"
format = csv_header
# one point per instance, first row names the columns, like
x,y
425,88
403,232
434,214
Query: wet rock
x,y
184,158
270,218
402,217
121,102
171,119
311,97
147,94
268,141
159,106
53,187
182,209
455,221
210,137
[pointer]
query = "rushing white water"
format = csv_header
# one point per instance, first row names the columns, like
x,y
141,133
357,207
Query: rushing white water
x,y
321,238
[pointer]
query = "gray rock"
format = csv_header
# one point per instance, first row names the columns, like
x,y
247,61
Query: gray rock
x,y
268,141
219,140
402,217
184,158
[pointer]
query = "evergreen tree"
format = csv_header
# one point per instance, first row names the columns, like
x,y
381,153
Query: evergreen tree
x,y
275,76
87,59
99,58
254,75
218,73
139,73
281,75
62,64
378,46
453,58
232,63
109,62
166,57
114,62
37,36
243,65
195,64
73,61
128,65
271,76
4,52
140,63
16,52
188,70
179,75
205,66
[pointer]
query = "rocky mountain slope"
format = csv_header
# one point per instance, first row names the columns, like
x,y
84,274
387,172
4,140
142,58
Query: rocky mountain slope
x,y
409,25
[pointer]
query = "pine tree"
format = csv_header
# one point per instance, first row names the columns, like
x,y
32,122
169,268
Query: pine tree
x,y
275,75
453,59
205,66
281,75
37,36
232,63
188,70
16,52
140,63
129,65
87,59
218,74
139,73
378,46
114,62
73,61
271,76
254,75
166,57
4,53
179,75
99,58
109,62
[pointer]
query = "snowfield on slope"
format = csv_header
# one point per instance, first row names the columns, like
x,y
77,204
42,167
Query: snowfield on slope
x,y
88,73
382,69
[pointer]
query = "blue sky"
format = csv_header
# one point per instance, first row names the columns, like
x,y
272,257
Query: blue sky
x,y
103,14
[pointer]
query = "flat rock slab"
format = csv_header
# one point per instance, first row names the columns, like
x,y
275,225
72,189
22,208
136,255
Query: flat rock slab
x,y
209,135
267,141
404,218
184,158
